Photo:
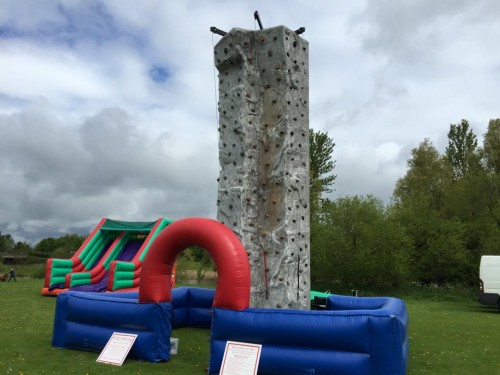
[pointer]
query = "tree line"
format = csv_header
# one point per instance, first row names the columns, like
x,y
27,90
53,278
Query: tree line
x,y
443,215
63,247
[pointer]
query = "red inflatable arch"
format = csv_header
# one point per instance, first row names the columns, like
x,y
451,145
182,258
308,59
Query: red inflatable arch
x,y
231,260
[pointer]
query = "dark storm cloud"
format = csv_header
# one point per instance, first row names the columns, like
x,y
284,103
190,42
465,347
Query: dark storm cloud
x,y
103,166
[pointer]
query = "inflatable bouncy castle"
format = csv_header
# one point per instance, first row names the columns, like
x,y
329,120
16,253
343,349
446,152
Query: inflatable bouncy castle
x,y
353,336
109,259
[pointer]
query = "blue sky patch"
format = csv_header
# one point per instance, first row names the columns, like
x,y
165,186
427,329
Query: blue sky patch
x,y
158,74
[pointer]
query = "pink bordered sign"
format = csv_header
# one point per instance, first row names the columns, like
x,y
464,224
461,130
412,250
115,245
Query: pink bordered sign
x,y
240,358
117,348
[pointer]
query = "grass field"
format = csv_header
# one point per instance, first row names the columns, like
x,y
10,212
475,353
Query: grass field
x,y
450,333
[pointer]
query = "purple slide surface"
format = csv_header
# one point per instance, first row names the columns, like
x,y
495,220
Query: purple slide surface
x,y
131,248
103,251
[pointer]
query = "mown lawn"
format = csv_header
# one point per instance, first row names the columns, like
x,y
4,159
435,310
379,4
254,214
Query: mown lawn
x,y
449,334
453,337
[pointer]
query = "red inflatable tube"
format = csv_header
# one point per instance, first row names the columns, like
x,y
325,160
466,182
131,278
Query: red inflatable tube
x,y
230,257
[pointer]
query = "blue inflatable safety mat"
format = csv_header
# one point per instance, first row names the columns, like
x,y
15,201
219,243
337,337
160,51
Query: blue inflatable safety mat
x,y
362,336
86,321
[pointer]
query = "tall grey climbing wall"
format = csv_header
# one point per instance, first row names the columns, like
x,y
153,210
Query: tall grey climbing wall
x,y
263,193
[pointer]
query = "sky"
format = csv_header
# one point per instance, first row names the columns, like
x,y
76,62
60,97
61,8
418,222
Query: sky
x,y
108,108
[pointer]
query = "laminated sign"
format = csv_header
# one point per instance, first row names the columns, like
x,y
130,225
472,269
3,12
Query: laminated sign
x,y
117,348
240,358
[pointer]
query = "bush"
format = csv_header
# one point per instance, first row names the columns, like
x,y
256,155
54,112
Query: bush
x,y
358,243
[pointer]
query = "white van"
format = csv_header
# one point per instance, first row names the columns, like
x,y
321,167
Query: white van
x,y
489,280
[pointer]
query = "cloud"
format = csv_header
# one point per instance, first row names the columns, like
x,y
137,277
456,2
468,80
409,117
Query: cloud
x,y
108,109
104,166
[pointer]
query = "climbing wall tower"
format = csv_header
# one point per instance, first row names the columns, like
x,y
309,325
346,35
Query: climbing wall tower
x,y
263,193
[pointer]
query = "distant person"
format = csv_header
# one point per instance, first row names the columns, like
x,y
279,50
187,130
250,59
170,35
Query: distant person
x,y
12,275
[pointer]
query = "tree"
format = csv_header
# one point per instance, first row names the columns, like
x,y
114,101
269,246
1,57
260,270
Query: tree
x,y
22,247
6,243
321,180
321,165
62,247
438,253
360,244
419,198
70,242
462,151
449,206
427,177
491,146
46,246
